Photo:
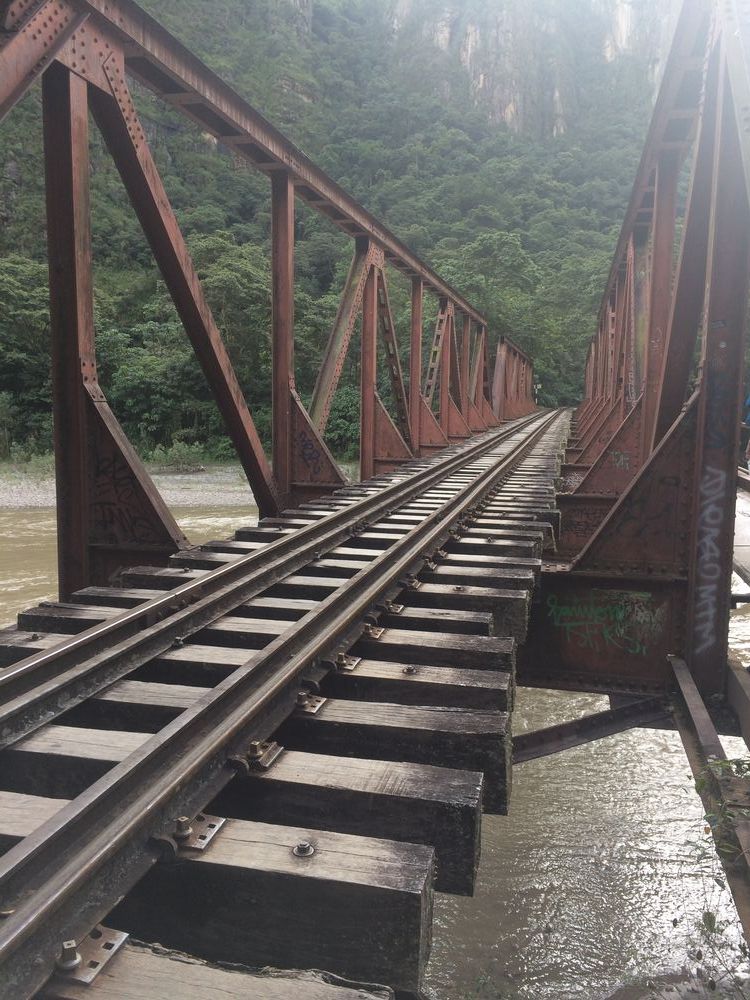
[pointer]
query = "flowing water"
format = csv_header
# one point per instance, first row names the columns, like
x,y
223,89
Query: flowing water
x,y
594,888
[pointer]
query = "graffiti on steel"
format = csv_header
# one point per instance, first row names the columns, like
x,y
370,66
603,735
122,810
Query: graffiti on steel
x,y
609,619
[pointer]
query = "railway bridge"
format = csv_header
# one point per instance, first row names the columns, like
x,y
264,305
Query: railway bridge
x,y
271,750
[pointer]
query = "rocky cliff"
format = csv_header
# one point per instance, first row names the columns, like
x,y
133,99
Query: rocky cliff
x,y
526,59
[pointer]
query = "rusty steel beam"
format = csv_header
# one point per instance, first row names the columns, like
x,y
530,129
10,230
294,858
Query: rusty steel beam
x,y
415,361
117,120
66,145
368,376
587,729
392,357
282,334
689,290
30,50
169,69
442,325
724,793
109,513
678,95
718,429
665,206
341,335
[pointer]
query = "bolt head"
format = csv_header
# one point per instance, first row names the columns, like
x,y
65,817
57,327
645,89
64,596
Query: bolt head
x,y
182,828
69,957
302,697
304,849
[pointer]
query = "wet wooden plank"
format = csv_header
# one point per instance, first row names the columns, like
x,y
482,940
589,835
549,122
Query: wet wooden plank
x,y
17,644
468,576
442,619
439,649
423,804
470,740
159,578
408,684
138,706
64,760
359,907
509,608
138,972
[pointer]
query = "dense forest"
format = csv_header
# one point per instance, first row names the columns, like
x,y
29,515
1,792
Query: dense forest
x,y
520,213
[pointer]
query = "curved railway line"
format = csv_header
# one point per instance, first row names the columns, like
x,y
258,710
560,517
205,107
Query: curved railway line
x,y
333,687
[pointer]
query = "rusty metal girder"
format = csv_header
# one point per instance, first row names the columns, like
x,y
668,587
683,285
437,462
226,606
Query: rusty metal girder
x,y
176,75
99,44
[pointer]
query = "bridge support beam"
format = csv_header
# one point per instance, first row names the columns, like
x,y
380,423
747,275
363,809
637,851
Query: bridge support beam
x,y
109,512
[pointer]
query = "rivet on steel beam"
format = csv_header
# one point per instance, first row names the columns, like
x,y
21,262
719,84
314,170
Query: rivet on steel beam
x,y
304,849
182,828
69,957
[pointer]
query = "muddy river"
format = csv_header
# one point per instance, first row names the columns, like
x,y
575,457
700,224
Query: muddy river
x,y
601,882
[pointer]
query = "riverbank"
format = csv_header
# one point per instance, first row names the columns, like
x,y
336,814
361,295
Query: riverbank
x,y
33,487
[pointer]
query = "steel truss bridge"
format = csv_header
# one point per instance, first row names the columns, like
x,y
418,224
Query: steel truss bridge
x,y
271,750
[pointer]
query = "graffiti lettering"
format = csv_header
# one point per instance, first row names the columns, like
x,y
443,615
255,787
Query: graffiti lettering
x,y
711,516
310,453
620,459
608,619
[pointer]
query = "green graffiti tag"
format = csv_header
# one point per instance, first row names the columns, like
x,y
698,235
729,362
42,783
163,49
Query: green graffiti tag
x,y
608,619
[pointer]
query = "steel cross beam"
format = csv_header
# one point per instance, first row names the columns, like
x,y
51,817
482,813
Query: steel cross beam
x,y
169,69
94,44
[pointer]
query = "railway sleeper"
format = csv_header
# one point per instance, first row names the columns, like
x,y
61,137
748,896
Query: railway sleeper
x,y
246,898
143,972
447,737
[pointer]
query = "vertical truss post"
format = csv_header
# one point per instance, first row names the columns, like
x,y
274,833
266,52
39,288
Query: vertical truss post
x,y
717,437
499,381
464,365
66,158
446,350
109,513
368,375
660,294
282,283
415,361
689,292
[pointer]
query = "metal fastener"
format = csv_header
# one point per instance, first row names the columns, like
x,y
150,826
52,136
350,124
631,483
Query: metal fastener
x,y
302,698
304,849
182,828
69,957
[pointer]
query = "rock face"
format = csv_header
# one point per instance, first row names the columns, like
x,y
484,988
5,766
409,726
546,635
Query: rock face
x,y
522,56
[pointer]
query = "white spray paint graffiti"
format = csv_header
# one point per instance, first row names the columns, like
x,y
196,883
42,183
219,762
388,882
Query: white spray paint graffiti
x,y
713,491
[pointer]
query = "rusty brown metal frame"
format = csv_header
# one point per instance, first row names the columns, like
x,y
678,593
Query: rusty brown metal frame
x,y
110,514
645,553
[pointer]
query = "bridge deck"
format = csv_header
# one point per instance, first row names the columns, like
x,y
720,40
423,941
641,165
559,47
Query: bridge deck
x,y
352,788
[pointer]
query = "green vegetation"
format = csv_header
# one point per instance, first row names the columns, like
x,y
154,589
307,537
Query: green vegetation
x,y
524,224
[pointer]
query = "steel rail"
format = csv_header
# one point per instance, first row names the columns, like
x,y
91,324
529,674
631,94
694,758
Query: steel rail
x,y
37,689
80,862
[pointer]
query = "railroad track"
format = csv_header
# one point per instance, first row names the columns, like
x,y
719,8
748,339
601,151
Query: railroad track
x,y
269,752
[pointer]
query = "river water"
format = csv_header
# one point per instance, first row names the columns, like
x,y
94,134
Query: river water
x,y
594,888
